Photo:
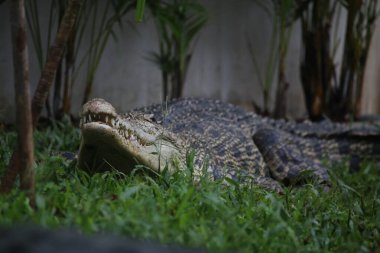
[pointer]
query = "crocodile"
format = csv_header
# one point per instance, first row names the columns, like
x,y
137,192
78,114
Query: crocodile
x,y
225,142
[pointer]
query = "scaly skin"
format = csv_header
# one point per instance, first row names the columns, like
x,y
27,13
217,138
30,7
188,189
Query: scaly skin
x,y
233,143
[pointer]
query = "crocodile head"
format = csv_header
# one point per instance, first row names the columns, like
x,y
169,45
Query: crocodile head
x,y
110,140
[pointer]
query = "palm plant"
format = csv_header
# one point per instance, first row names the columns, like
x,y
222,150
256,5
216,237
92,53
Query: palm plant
x,y
22,158
97,19
359,30
317,67
282,13
177,23
325,93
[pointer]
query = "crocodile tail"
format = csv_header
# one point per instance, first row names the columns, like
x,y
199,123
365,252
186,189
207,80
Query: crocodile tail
x,y
353,148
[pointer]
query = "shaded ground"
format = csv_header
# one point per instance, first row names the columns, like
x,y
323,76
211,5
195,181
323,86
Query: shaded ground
x,y
28,239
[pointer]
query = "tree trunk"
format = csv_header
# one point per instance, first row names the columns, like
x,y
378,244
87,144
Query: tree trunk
x,y
23,108
47,77
69,69
57,91
53,58
280,97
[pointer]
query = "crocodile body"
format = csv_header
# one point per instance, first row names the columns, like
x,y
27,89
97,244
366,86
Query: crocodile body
x,y
227,141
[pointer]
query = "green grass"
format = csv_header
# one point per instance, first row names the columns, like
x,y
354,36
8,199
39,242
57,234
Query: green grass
x,y
212,215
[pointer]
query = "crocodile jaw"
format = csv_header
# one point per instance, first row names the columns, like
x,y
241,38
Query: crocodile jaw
x,y
120,142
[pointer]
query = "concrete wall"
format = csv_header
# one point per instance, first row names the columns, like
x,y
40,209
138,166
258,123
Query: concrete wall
x,y
221,66
371,90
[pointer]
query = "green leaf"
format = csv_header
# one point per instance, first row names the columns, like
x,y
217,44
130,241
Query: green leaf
x,y
139,14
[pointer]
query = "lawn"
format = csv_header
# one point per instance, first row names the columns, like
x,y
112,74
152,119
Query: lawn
x,y
213,215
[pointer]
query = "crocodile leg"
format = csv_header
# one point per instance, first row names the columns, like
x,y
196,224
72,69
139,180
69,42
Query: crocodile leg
x,y
287,163
268,183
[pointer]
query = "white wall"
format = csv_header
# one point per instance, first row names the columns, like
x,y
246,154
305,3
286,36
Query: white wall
x,y
221,66
371,90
